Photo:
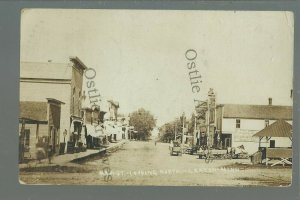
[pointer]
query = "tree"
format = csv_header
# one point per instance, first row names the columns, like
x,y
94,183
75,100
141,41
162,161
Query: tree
x,y
143,122
167,131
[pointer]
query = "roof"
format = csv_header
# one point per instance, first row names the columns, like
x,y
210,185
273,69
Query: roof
x,y
115,103
55,101
257,112
32,110
76,60
279,128
46,70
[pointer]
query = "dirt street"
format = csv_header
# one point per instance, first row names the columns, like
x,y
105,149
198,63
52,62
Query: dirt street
x,y
143,163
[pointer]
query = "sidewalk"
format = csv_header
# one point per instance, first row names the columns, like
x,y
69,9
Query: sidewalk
x,y
66,158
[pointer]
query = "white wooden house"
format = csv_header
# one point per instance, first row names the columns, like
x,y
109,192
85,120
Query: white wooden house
x,y
236,124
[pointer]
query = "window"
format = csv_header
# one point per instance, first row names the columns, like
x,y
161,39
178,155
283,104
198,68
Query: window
x,y
73,101
272,143
238,123
266,122
73,105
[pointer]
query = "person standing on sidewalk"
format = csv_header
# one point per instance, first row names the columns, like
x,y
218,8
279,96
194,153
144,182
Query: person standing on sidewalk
x,y
49,151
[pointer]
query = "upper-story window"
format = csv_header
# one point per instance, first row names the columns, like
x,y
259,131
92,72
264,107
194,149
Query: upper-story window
x,y
267,122
79,101
73,101
238,123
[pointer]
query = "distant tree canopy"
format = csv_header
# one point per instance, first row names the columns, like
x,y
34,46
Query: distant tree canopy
x,y
167,131
143,122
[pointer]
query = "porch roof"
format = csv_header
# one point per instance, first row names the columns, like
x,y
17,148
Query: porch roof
x,y
33,111
279,128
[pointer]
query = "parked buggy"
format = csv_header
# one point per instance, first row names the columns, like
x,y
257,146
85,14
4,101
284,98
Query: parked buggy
x,y
230,153
175,148
192,150
213,154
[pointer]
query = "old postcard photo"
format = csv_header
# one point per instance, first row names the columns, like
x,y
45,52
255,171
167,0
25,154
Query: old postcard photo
x,y
156,97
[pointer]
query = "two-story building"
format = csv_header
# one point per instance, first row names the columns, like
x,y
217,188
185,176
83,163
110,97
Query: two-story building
x,y
61,81
236,124
113,107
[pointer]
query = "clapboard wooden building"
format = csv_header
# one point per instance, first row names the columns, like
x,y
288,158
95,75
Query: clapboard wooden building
x,y
61,81
237,123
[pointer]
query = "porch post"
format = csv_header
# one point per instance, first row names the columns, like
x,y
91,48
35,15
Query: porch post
x,y
37,130
259,142
21,147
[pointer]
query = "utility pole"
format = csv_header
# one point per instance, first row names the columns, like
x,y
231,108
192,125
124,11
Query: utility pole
x,y
208,123
211,103
182,128
175,130
195,129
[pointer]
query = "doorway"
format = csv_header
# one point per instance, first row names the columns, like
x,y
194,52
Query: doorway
x,y
53,138
226,140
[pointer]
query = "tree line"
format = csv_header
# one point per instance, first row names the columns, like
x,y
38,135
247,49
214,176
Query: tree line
x,y
168,130
143,122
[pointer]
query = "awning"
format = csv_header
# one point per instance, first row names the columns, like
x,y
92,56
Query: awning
x,y
76,120
110,129
92,131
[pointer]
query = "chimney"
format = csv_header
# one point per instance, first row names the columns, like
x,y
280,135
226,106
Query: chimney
x,y
270,101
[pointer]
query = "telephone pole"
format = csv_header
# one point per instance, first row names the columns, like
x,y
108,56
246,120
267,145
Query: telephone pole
x,y
175,127
182,127
208,123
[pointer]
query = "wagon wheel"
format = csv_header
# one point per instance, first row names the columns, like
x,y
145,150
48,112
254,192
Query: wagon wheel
x,y
208,158
224,157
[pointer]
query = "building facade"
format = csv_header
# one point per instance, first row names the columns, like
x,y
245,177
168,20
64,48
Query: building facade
x,y
62,81
232,125
113,107
236,125
39,125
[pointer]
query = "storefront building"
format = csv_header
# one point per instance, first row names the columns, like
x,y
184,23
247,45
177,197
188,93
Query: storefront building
x,y
39,127
61,81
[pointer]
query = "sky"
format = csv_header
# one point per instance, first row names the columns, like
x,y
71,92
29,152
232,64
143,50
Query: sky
x,y
139,55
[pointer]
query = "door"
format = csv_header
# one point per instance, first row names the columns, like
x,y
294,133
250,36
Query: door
x,y
227,142
226,139
53,138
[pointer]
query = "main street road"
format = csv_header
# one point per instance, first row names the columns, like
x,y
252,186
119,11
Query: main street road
x,y
143,163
